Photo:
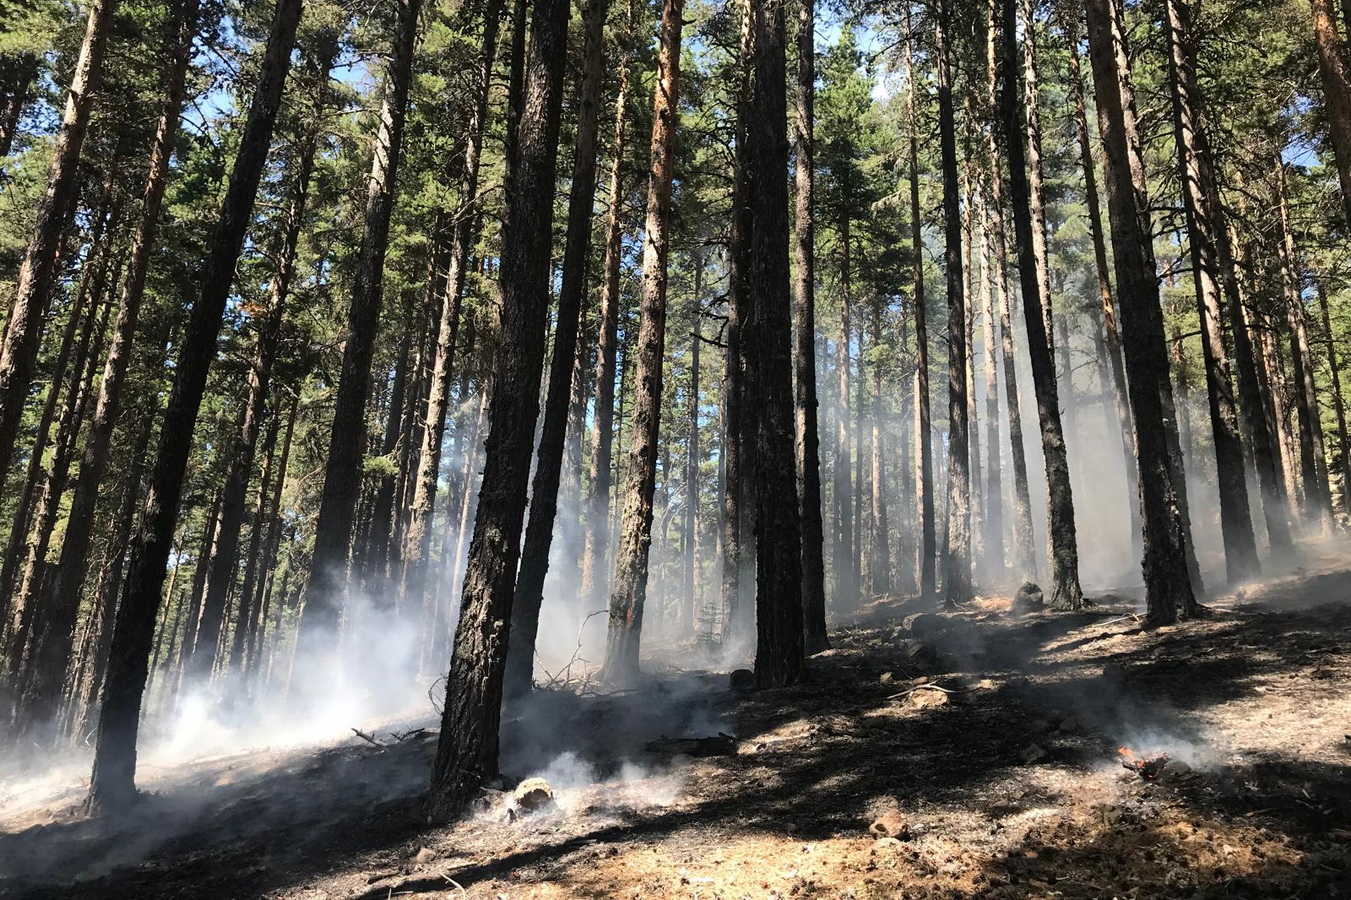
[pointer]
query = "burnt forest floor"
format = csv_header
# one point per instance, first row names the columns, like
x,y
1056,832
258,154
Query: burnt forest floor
x,y
1008,784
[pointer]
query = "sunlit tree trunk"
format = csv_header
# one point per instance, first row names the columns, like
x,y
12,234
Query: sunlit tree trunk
x,y
631,561
1167,581
1332,67
1204,223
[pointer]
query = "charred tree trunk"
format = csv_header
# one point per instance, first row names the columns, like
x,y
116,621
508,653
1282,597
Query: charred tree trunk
x,y
957,567
1033,270
994,492
631,562
689,609
72,567
417,540
113,783
539,528
1339,405
1112,338
804,345
600,477
769,370
1167,581
37,274
1204,224
467,753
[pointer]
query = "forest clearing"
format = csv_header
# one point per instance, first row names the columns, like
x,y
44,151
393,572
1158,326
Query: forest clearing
x,y
701,448
835,788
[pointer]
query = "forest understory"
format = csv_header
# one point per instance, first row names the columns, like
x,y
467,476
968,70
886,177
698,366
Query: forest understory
x,y
1007,784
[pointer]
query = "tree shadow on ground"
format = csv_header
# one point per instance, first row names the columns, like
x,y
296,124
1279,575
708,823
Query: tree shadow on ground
x,y
358,807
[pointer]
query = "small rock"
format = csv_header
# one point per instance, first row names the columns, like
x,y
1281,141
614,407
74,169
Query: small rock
x,y
921,655
424,856
921,625
742,680
887,678
1071,725
1029,598
534,795
929,699
1175,768
1033,753
890,824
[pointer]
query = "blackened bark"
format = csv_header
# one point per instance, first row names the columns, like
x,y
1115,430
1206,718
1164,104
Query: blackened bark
x,y
635,529
539,528
924,481
72,567
804,339
342,474
1066,594
467,753
1167,582
1338,403
1204,224
957,566
417,538
37,274
113,782
769,369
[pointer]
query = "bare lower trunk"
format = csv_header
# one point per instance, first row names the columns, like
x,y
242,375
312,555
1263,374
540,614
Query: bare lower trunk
x,y
631,562
1167,582
552,442
1033,270
1204,223
804,346
113,786
595,572
957,568
467,754
1338,404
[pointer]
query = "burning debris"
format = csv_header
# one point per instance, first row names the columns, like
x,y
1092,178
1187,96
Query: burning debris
x,y
1148,768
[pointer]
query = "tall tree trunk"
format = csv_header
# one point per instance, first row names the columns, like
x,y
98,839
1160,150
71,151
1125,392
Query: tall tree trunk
x,y
1317,507
271,515
1167,581
689,608
595,574
467,753
22,73
246,622
1204,224
113,782
1112,338
804,346
1339,405
635,539
879,566
1332,67
1033,270
957,567
994,492
539,528
769,370
37,274
417,539
847,587
72,567
342,474
240,456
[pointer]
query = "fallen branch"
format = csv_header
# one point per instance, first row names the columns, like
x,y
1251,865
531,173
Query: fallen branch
x,y
459,887
368,738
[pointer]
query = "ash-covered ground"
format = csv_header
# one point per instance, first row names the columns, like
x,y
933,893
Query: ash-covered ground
x,y
964,754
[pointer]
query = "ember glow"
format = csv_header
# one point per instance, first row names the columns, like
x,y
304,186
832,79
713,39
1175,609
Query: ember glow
x,y
1148,768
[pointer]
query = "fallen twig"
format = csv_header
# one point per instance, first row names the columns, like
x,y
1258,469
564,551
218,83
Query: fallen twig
x,y
459,887
368,738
